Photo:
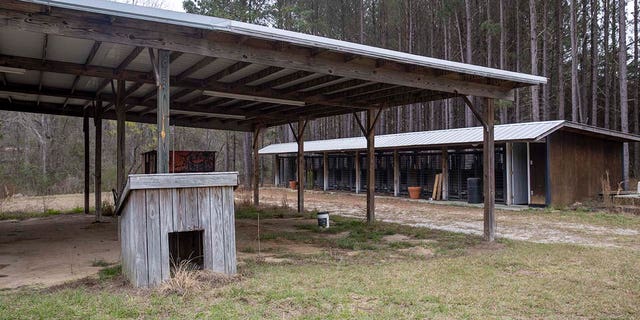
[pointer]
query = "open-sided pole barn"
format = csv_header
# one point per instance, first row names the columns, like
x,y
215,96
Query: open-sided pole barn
x,y
546,163
107,60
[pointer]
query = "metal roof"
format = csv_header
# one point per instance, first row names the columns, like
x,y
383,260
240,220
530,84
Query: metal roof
x,y
524,132
73,49
269,33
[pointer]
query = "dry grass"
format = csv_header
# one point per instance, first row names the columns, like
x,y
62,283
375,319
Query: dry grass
x,y
606,190
188,280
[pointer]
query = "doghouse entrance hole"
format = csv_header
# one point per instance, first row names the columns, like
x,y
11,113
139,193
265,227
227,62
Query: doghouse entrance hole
x,y
186,247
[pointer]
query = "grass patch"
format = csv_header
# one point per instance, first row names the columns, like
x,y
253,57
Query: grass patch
x,y
363,236
38,214
100,263
245,211
465,279
110,273
585,216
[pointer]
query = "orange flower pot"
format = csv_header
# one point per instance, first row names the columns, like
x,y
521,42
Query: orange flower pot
x,y
414,192
293,184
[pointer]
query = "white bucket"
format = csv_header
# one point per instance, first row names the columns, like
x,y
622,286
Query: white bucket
x,y
323,219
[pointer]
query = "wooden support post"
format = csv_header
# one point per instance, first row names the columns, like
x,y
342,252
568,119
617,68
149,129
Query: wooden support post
x,y
371,165
98,160
276,171
256,166
396,173
489,172
302,124
357,165
325,170
445,173
488,164
120,137
87,160
163,111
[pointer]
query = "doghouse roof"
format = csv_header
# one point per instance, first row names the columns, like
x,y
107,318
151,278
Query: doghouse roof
x,y
175,181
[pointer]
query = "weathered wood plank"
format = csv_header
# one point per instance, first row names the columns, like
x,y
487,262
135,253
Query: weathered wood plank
x,y
371,166
182,180
163,111
204,210
140,275
216,229
125,242
154,238
120,138
229,230
488,151
98,160
177,210
187,209
87,161
166,226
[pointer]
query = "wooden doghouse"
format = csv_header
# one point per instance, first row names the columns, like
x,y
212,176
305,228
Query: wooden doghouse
x,y
168,218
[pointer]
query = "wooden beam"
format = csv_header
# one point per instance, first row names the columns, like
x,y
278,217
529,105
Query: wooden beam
x,y
120,138
77,111
299,136
148,78
276,170
122,66
128,31
309,84
163,112
444,161
476,112
358,173
226,71
195,67
98,160
396,173
258,75
372,118
488,166
256,166
87,161
325,171
87,61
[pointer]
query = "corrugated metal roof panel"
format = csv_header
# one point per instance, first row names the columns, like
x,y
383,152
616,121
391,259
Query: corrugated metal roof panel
x,y
251,30
529,131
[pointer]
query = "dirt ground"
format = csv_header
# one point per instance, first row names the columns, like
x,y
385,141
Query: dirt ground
x,y
535,226
62,202
52,250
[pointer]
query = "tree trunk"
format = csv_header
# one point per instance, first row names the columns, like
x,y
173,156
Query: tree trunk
x,y
560,57
606,65
518,49
535,96
468,115
636,119
503,41
624,104
594,62
575,98
545,63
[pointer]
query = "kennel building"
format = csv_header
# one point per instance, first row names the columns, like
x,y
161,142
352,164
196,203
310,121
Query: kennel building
x,y
537,163
169,219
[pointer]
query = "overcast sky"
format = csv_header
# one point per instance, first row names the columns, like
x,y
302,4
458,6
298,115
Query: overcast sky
x,y
175,5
